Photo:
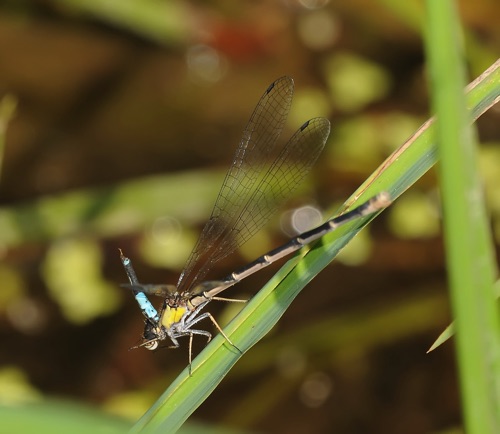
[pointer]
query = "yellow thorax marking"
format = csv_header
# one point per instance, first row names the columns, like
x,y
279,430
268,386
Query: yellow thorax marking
x,y
172,315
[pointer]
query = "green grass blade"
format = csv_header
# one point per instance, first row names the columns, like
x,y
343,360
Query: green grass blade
x,y
469,251
396,174
52,416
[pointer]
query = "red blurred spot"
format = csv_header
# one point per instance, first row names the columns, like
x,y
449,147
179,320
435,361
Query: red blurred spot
x,y
239,42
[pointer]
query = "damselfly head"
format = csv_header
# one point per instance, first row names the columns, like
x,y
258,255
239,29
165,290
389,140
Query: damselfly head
x,y
150,345
150,336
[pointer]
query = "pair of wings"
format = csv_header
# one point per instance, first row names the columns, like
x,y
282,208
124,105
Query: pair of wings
x,y
262,176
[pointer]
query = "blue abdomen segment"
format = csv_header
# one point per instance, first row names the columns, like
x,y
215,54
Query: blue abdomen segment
x,y
147,308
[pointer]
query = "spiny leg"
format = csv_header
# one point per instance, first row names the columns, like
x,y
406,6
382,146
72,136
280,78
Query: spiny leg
x,y
190,354
232,300
191,333
209,315
191,320
143,344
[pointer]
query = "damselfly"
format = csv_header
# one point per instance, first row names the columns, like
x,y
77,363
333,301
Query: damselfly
x,y
260,178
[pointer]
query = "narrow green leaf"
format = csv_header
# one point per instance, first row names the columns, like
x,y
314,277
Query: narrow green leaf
x,y
469,250
443,337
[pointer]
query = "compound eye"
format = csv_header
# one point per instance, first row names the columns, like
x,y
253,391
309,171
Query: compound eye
x,y
152,345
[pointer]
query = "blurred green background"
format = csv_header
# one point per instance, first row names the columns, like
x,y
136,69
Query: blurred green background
x,y
123,117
